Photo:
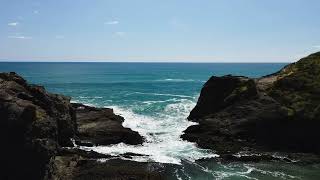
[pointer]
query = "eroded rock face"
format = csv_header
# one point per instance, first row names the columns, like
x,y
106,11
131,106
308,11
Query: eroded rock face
x,y
37,127
279,112
34,123
100,126
220,92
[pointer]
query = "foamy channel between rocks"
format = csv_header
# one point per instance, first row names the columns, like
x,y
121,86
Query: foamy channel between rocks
x,y
162,136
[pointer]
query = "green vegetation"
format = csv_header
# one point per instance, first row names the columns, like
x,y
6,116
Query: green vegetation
x,y
298,87
40,115
244,88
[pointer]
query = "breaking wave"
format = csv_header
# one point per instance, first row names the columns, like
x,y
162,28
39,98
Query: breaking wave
x,y
162,135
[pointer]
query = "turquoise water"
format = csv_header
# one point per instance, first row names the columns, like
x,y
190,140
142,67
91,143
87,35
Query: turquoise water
x,y
155,99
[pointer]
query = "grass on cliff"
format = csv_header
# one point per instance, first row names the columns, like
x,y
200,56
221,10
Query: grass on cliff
x,y
298,87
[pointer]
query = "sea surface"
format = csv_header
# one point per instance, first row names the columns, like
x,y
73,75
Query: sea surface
x,y
155,100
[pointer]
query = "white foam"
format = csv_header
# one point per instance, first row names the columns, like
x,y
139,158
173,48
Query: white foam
x,y
233,170
162,134
275,174
161,101
160,94
177,80
87,104
90,97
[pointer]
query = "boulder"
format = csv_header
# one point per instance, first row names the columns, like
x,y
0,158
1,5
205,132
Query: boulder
x,y
100,126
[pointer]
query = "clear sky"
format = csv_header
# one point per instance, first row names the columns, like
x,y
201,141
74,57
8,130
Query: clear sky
x,y
159,30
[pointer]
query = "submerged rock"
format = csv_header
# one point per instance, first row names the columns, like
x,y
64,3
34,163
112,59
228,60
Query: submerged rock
x,y
278,112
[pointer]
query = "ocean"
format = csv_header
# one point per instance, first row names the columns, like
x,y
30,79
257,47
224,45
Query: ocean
x,y
155,99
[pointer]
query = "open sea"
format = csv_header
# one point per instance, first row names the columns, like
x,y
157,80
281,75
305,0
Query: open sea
x,y
155,100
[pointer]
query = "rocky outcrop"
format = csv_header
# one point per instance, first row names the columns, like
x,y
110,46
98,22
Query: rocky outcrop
x,y
37,127
100,126
221,92
34,123
84,165
278,112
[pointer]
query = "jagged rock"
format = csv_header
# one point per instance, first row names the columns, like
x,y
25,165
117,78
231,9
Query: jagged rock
x,y
84,165
36,126
73,167
220,92
278,112
34,123
100,126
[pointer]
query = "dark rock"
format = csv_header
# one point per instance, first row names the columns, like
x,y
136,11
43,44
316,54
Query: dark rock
x,y
84,143
81,153
100,126
71,167
37,126
34,123
220,92
278,112
130,155
78,164
119,169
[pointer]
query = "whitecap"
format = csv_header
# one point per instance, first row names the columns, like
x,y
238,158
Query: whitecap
x,y
84,103
90,97
162,136
160,94
177,80
160,101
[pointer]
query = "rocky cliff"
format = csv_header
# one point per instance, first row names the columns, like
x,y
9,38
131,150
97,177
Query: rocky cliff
x,y
37,128
278,112
34,124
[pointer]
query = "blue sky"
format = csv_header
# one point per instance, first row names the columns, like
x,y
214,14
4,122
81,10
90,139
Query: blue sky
x,y
163,30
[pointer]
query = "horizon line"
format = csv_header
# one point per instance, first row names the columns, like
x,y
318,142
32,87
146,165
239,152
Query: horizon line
x,y
74,61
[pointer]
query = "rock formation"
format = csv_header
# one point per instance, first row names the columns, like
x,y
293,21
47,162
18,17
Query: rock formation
x,y
235,114
100,126
37,128
34,124
83,165
278,112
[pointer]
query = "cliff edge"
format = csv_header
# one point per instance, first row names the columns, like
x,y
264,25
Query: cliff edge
x,y
279,112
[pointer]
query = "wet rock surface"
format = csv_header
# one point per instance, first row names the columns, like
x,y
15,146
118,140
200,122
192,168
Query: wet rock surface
x,y
278,112
84,165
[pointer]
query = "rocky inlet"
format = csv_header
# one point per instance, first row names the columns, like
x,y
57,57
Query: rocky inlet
x,y
38,129
240,118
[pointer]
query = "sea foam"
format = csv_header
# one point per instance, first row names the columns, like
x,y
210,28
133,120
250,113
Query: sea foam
x,y
162,135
